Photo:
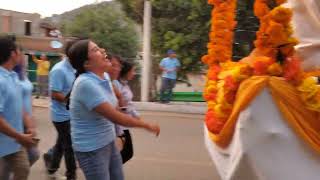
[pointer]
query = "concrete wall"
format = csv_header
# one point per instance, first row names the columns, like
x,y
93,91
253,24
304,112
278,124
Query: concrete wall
x,y
14,22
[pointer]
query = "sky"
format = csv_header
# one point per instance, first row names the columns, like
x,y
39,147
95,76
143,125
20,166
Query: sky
x,y
44,7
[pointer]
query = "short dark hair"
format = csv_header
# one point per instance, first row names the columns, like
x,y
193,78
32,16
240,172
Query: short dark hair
x,y
7,45
126,67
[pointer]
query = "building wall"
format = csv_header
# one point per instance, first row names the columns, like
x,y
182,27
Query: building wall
x,y
14,22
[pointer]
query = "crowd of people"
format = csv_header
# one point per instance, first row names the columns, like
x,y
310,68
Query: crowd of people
x,y
91,110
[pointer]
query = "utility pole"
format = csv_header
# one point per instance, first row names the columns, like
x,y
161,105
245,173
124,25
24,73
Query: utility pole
x,y
146,65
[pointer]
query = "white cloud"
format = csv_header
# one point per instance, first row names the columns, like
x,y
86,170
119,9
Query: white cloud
x,y
44,7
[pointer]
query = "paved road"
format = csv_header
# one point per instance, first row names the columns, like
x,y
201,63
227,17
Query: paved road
x,y
178,154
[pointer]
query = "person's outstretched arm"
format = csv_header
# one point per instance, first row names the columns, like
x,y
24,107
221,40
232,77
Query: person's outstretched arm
x,y
117,117
34,58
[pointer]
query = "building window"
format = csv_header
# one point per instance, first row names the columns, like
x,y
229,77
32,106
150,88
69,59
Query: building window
x,y
27,27
6,24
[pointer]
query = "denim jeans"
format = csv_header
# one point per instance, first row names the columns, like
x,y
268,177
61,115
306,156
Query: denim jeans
x,y
63,147
101,164
42,87
166,89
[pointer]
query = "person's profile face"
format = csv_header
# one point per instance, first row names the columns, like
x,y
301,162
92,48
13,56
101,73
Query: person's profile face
x,y
17,56
116,68
172,55
131,74
97,57
43,57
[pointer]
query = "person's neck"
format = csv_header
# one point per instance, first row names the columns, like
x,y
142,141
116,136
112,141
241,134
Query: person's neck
x,y
99,73
8,66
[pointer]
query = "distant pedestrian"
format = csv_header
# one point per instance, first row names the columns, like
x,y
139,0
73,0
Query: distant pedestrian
x,y
169,67
61,78
43,66
17,129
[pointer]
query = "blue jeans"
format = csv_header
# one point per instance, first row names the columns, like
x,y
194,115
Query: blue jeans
x,y
166,89
101,164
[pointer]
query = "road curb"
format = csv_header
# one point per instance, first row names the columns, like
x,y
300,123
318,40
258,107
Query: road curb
x,y
176,107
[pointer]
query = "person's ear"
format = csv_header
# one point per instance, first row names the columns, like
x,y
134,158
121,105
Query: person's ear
x,y
86,64
14,54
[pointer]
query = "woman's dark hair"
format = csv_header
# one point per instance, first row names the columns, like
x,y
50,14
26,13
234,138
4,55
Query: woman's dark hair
x,y
126,67
118,58
78,55
7,44
68,45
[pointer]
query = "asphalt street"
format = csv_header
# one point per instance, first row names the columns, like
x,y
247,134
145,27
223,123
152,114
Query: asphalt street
x,y
178,153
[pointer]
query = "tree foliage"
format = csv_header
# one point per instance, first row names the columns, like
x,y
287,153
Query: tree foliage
x,y
182,25
108,26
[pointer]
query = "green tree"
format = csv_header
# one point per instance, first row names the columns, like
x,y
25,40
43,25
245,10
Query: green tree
x,y
182,25
108,26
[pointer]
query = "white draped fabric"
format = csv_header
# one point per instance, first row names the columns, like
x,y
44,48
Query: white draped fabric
x,y
264,147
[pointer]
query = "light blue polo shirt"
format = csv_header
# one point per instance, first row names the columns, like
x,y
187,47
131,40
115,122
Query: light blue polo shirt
x,y
61,78
170,64
27,88
10,109
89,130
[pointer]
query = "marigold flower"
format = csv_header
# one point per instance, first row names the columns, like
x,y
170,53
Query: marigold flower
x,y
279,2
275,69
281,15
260,8
261,64
214,124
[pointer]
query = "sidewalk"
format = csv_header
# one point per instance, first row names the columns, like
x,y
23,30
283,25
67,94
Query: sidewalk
x,y
177,107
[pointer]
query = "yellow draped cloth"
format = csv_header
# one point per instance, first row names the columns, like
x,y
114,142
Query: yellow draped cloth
x,y
304,122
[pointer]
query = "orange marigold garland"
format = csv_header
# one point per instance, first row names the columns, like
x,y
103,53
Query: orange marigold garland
x,y
274,45
220,52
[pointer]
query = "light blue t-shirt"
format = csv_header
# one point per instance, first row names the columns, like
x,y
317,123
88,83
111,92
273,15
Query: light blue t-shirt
x,y
10,109
90,130
170,64
27,88
61,78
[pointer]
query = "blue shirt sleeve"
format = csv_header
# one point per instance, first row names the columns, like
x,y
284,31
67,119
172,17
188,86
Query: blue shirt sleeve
x,y
162,63
56,80
178,63
91,94
2,98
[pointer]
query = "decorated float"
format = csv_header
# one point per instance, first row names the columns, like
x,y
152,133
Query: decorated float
x,y
263,111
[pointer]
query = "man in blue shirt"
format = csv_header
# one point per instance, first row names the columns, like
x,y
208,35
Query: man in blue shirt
x,y
61,78
169,67
16,127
